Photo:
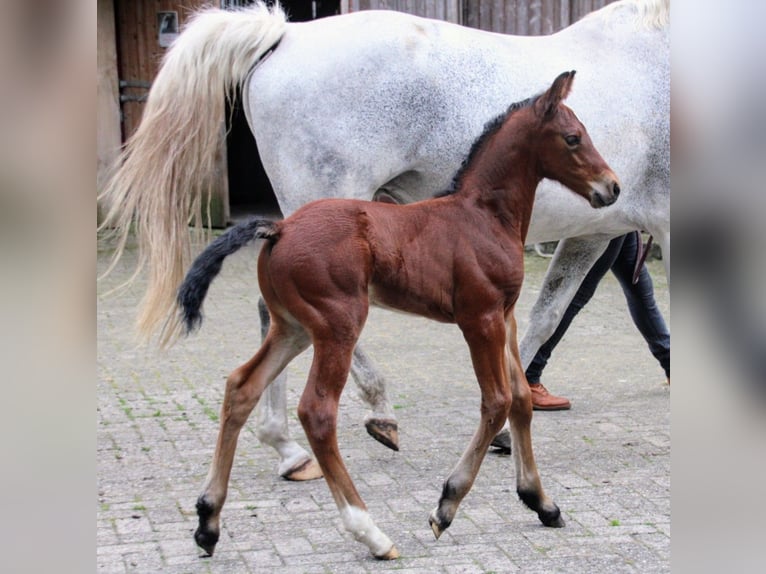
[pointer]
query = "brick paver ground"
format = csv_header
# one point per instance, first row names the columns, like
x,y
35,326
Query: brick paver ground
x,y
606,462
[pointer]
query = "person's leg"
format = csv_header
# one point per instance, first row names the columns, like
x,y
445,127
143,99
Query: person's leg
x,y
641,303
541,398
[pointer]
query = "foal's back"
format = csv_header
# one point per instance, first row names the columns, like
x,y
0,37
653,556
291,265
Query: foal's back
x,y
420,258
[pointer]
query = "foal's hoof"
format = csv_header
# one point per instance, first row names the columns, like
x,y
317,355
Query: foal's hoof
x,y
548,513
384,431
308,470
557,522
551,517
392,554
206,540
437,525
502,442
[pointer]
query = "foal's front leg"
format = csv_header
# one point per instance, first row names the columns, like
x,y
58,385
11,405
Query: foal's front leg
x,y
486,340
528,485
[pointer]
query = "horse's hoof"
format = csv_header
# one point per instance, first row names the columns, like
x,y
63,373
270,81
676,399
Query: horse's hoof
x,y
307,470
502,442
206,540
392,554
384,431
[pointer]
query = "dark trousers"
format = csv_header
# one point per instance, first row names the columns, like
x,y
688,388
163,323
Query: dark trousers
x,y
620,257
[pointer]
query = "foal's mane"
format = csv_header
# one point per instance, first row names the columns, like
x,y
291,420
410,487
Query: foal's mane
x,y
490,129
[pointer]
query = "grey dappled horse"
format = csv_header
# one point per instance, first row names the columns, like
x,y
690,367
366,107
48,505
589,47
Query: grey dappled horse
x,y
384,105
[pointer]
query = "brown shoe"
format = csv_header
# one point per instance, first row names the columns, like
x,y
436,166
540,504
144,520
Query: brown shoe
x,y
542,400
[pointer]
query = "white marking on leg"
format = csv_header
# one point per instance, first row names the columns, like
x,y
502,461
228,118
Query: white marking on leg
x,y
359,523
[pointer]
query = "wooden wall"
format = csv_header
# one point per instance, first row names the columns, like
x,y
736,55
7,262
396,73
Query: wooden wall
x,y
140,53
108,136
522,17
527,17
129,56
449,10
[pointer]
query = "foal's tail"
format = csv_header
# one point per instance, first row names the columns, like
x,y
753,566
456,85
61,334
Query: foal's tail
x,y
169,167
206,267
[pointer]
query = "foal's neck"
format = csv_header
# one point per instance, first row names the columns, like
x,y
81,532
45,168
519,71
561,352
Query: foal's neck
x,y
503,177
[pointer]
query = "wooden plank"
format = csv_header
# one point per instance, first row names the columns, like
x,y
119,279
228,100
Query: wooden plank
x,y
522,17
563,17
547,14
535,17
454,11
108,132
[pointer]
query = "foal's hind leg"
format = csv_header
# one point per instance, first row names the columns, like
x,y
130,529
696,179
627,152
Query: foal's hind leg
x,y
271,414
318,412
243,389
271,423
528,485
486,340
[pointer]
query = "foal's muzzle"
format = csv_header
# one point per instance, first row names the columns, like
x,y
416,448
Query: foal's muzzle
x,y
604,192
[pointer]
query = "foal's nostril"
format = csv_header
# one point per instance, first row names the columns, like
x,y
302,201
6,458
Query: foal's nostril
x,y
616,190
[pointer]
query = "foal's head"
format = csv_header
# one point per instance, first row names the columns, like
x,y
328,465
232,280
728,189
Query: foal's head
x,y
566,152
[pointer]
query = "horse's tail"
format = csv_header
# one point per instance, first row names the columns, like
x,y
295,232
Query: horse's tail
x,y
169,166
206,267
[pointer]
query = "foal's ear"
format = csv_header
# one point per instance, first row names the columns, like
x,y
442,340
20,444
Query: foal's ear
x,y
558,92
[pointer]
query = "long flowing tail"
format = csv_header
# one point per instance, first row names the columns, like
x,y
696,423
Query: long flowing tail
x,y
208,265
168,168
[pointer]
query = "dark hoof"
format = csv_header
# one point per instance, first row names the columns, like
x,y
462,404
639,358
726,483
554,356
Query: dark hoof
x,y
549,517
552,521
203,536
206,540
384,431
502,442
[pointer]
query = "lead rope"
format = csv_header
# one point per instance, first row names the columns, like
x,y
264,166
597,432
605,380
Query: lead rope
x,y
643,251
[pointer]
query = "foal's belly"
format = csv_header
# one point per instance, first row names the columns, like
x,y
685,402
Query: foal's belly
x,y
438,308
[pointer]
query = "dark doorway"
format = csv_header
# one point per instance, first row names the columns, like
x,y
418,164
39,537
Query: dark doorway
x,y
250,190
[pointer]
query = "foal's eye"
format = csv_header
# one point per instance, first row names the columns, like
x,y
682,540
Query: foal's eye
x,y
572,140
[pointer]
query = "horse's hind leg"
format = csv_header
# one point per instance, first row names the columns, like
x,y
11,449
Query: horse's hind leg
x,y
271,423
381,422
486,340
243,389
528,485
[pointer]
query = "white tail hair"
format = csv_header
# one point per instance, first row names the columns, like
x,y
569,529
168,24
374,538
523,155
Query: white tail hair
x,y
167,170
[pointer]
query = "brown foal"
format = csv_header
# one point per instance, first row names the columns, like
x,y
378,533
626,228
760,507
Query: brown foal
x,y
457,258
